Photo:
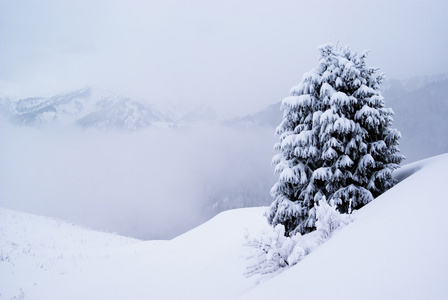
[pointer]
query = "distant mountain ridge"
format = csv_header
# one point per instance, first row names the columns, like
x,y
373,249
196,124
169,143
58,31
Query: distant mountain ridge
x,y
122,113
420,114
32,111
270,116
86,107
93,108
396,87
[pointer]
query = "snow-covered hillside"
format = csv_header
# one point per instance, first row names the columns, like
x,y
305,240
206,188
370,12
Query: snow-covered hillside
x,y
49,259
395,249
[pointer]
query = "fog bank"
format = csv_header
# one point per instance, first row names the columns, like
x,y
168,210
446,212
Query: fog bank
x,y
156,183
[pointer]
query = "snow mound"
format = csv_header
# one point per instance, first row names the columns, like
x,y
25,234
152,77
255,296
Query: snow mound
x,y
396,248
43,258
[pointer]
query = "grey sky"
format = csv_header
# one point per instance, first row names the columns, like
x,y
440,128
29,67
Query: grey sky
x,y
236,56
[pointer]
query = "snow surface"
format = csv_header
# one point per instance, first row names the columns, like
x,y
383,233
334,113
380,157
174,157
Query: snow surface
x,y
49,259
395,249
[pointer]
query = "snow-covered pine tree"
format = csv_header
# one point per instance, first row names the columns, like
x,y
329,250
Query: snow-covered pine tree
x,y
336,141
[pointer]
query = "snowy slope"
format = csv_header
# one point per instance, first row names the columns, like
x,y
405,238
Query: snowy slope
x,y
36,251
48,259
395,249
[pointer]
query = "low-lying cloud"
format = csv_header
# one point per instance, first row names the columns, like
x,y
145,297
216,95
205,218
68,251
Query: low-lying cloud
x,y
156,183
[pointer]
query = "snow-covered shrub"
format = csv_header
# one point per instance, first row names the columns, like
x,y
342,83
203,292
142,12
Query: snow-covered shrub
x,y
328,218
336,141
272,251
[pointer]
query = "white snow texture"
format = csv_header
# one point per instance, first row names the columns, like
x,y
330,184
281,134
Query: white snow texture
x,y
395,249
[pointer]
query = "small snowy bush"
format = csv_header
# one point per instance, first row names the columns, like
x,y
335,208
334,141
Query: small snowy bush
x,y
273,252
328,218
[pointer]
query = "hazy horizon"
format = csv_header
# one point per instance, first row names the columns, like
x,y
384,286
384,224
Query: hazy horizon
x,y
235,56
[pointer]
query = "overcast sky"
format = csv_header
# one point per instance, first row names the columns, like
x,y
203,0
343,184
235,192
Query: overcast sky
x,y
236,56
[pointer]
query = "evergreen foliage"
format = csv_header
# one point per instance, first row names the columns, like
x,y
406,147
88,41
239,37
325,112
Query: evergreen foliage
x,y
336,141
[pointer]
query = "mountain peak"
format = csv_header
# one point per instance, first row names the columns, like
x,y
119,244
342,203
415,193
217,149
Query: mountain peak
x,y
87,107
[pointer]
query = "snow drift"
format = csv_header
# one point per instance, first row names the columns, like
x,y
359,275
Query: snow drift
x,y
395,249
